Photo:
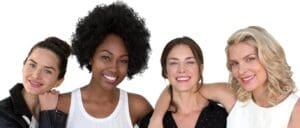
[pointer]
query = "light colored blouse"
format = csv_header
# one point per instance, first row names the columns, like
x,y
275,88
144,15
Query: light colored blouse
x,y
250,115
79,118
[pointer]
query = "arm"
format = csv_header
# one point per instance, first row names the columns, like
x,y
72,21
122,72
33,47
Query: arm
x,y
219,92
161,108
52,119
294,121
49,116
138,107
10,121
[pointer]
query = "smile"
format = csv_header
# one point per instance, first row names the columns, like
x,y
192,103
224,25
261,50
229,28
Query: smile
x,y
247,79
183,78
110,78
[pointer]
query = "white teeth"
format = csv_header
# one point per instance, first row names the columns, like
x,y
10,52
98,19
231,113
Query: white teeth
x,y
248,78
110,77
183,78
34,82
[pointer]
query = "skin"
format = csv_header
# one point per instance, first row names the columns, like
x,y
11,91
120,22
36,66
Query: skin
x,y
183,75
109,68
40,74
248,70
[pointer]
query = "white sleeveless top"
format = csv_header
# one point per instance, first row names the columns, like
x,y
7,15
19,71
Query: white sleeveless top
x,y
79,118
250,115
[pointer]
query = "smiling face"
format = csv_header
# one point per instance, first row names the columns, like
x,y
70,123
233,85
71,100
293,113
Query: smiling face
x,y
110,62
40,71
182,69
246,67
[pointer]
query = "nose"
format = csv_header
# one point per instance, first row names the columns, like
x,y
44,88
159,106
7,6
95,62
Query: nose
x,y
242,68
181,68
114,66
36,73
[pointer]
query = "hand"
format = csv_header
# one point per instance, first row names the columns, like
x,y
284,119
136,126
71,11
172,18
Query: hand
x,y
49,100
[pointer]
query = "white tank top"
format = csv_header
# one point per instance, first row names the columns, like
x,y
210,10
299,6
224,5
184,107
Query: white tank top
x,y
79,118
250,115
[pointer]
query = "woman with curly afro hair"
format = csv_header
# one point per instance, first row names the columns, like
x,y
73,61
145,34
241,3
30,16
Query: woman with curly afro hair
x,y
112,42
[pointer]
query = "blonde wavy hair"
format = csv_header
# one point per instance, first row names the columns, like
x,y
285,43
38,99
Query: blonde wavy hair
x,y
271,55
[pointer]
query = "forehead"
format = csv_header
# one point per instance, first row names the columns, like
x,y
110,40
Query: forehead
x,y
180,50
112,43
44,57
240,50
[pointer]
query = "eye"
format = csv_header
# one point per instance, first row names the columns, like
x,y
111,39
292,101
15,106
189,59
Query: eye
x,y
47,71
190,62
124,61
233,64
172,63
105,58
249,59
32,65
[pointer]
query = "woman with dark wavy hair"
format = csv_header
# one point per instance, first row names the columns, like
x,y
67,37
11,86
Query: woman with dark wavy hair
x,y
182,64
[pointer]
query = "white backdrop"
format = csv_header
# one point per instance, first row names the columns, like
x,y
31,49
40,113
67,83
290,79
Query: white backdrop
x,y
210,23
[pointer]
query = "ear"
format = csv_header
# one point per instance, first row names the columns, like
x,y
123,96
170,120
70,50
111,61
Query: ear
x,y
58,83
91,61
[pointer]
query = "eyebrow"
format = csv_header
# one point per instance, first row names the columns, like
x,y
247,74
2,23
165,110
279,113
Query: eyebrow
x,y
110,53
48,67
106,51
187,58
32,61
173,58
244,57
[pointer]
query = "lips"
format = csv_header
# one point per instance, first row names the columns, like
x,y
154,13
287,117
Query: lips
x,y
247,79
35,83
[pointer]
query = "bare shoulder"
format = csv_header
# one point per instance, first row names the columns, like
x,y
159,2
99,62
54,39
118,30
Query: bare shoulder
x,y
64,102
294,121
138,107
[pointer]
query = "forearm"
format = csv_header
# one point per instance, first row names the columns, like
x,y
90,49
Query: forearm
x,y
52,119
161,107
219,92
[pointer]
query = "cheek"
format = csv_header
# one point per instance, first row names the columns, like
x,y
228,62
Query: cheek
x,y
170,71
263,74
234,72
123,69
25,72
51,83
195,69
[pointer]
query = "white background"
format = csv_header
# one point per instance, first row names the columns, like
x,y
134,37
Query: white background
x,y
209,22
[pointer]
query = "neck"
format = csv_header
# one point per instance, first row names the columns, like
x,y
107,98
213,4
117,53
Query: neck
x,y
32,102
188,102
260,98
96,92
